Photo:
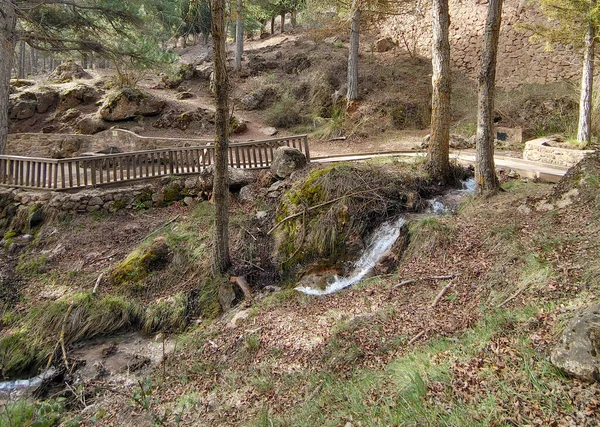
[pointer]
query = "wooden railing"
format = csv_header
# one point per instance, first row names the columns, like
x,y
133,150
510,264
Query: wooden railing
x,y
81,172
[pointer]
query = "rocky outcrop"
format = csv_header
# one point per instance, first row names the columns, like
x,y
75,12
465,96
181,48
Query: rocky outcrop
x,y
128,103
47,99
296,64
90,125
67,72
78,95
578,351
287,160
260,99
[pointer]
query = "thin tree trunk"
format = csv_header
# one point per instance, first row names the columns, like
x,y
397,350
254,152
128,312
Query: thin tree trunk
x,y
221,261
282,22
239,36
272,25
439,152
8,23
486,181
294,19
584,129
22,59
352,92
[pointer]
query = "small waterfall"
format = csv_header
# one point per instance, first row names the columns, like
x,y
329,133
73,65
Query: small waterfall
x,y
449,202
379,243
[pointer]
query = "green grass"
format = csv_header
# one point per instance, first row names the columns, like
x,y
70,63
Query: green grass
x,y
423,388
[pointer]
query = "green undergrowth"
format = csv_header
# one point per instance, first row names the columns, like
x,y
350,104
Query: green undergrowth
x,y
460,381
325,215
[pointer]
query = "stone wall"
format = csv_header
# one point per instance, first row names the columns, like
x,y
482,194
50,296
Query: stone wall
x,y
162,192
69,145
520,61
541,150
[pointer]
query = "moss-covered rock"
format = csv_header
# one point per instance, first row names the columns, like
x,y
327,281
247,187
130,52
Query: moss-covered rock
x,y
128,103
141,262
326,216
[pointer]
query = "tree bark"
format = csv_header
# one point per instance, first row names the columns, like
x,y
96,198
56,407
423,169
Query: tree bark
x,y
294,19
239,36
272,25
8,36
282,22
584,128
486,181
352,92
221,261
21,74
438,155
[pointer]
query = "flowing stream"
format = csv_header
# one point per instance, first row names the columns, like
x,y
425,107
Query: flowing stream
x,y
379,243
385,237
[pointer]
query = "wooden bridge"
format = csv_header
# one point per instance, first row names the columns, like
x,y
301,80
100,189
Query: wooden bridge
x,y
113,169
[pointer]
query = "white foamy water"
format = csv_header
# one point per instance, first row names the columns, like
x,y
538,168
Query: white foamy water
x,y
379,243
448,202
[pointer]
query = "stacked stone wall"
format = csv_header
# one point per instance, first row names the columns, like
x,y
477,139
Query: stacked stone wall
x,y
520,60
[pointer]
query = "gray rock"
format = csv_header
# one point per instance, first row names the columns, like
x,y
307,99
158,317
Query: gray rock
x,y
95,201
226,296
185,95
238,178
68,71
261,214
46,100
296,64
128,103
80,94
90,125
287,160
22,110
189,201
259,99
277,186
578,351
247,194
269,131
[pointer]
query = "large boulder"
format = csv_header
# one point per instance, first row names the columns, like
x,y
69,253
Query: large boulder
x,y
67,72
578,351
90,125
128,103
46,100
287,160
260,99
77,95
21,109
238,178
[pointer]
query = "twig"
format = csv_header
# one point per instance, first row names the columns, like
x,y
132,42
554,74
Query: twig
x,y
98,280
62,335
404,283
512,297
409,281
441,294
161,227
253,265
339,138
416,337
315,392
320,205
250,234
103,258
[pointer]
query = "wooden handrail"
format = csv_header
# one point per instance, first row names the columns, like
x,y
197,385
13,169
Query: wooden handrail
x,y
97,170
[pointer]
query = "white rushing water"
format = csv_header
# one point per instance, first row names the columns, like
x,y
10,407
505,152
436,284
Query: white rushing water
x,y
379,243
449,202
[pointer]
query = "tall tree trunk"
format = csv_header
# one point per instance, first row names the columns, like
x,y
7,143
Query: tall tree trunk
x,y
584,129
486,181
352,92
294,19
21,59
221,261
282,22
239,36
439,153
272,25
8,36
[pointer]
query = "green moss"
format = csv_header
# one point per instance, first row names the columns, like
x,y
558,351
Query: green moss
x,y
117,205
172,192
18,354
141,262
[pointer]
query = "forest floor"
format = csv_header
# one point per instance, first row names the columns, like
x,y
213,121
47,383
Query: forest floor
x,y
393,350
